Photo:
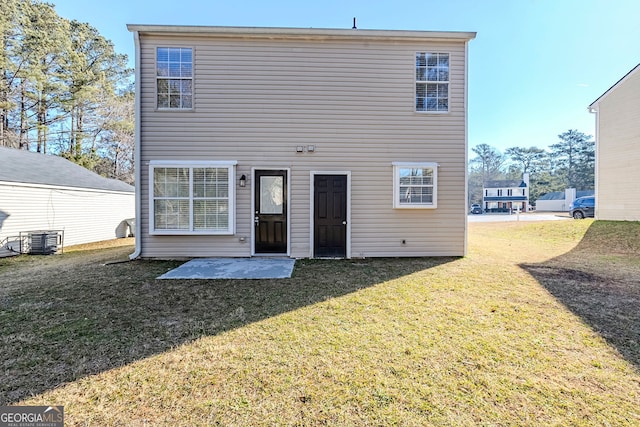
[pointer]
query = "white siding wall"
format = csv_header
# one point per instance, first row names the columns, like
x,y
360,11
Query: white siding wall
x,y
84,215
255,101
618,152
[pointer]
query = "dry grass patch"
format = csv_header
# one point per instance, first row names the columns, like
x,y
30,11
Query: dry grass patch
x,y
105,244
411,342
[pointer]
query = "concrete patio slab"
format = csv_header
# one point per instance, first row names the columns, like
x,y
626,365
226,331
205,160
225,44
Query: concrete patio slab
x,y
233,268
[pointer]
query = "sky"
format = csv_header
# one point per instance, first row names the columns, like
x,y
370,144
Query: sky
x,y
534,66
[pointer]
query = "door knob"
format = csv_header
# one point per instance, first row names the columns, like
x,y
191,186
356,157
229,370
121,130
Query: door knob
x,y
344,222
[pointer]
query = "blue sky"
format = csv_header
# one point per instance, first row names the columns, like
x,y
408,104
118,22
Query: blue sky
x,y
534,66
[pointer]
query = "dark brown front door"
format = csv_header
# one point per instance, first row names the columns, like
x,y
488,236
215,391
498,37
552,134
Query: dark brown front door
x,y
270,218
330,216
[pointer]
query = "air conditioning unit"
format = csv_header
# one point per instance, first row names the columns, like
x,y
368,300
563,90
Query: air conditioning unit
x,y
44,242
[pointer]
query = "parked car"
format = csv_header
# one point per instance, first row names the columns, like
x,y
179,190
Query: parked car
x,y
476,209
583,207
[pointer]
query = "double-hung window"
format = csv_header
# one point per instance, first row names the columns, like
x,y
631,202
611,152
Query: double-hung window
x,y
415,185
192,198
174,75
432,82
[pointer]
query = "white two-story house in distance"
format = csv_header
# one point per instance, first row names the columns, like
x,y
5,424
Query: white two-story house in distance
x,y
506,196
300,142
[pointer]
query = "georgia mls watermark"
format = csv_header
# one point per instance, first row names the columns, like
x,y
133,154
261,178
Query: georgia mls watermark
x,y
31,416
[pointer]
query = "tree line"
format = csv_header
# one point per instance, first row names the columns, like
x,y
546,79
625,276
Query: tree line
x,y
569,163
64,90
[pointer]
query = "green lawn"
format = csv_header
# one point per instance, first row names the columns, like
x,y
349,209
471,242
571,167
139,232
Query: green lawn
x,y
538,325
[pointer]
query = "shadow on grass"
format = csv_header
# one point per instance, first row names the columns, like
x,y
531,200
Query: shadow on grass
x,y
68,316
599,280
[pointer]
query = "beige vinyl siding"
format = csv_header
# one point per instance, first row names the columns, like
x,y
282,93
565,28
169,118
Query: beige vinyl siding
x,y
256,100
618,154
85,215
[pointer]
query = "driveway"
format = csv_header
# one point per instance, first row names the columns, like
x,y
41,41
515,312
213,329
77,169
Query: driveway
x,y
529,216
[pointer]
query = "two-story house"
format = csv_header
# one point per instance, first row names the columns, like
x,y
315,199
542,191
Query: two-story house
x,y
506,196
300,142
617,113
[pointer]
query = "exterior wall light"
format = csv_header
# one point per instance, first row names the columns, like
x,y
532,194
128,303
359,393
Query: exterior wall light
x,y
243,181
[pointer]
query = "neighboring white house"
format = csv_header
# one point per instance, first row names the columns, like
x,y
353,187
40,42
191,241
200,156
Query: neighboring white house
x,y
560,201
618,149
300,142
48,193
506,195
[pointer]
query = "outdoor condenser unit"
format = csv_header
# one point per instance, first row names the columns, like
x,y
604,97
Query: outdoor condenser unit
x,y
44,242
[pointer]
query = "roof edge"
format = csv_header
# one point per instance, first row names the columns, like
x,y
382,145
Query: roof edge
x,y
66,187
304,33
625,77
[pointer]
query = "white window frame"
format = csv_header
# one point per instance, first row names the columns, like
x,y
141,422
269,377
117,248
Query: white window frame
x,y
228,164
426,82
397,167
180,78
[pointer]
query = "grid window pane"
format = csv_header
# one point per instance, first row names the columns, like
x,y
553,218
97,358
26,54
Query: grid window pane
x,y
171,182
415,186
174,54
211,182
163,69
171,214
211,215
185,87
191,199
163,54
415,195
185,69
432,78
163,86
174,74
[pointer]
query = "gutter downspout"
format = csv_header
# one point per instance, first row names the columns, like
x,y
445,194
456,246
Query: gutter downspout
x,y
596,112
137,162
466,146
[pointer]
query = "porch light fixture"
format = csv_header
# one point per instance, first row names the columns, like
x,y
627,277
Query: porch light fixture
x,y
243,181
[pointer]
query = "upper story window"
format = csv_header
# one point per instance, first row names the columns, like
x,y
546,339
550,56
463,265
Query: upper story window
x,y
174,72
432,82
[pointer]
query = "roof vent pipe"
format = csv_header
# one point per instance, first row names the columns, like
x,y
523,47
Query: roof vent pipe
x,y
354,24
